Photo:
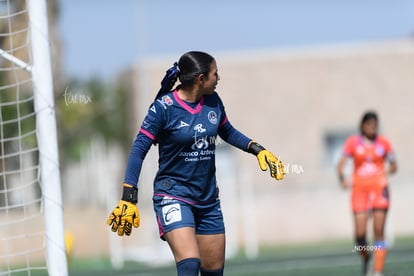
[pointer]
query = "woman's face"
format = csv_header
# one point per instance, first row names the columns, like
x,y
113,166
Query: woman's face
x,y
370,128
210,81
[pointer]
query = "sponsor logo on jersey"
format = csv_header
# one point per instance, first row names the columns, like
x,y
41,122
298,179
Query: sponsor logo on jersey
x,y
162,103
380,150
212,117
171,213
199,128
153,109
167,100
360,149
200,143
200,151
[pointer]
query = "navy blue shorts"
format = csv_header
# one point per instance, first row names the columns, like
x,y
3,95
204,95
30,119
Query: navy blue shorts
x,y
206,219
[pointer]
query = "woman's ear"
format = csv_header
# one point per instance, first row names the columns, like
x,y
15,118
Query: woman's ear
x,y
200,79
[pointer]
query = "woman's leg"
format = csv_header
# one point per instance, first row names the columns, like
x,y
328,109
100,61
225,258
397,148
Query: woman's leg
x,y
212,253
183,244
187,248
360,221
380,248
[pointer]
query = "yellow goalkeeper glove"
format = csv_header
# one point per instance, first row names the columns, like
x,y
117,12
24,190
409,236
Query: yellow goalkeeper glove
x,y
126,214
267,159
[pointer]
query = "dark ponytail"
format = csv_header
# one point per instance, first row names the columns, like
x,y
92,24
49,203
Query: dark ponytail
x,y
169,80
189,66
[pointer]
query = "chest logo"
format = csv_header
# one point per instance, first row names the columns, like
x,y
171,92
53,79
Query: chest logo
x,y
199,128
212,117
380,151
200,142
360,150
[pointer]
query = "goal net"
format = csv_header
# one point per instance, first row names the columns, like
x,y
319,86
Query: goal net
x,y
31,214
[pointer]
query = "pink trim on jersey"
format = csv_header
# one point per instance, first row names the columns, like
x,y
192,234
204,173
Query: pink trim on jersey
x,y
186,107
146,133
223,122
160,229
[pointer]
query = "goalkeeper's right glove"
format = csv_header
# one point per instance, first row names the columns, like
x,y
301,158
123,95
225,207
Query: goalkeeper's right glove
x,y
126,214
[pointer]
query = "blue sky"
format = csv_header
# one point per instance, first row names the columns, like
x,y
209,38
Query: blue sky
x,y
103,37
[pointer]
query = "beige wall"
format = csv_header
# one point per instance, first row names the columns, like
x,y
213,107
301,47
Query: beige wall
x,y
288,100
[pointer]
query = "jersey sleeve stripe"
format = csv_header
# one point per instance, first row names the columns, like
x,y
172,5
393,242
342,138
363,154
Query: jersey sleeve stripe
x,y
146,133
224,121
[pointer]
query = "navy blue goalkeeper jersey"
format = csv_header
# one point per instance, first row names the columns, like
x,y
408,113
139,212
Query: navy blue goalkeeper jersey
x,y
186,134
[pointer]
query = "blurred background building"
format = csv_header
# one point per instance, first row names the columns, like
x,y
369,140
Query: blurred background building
x,y
295,76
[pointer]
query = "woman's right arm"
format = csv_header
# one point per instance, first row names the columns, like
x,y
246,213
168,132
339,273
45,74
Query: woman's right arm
x,y
138,152
340,169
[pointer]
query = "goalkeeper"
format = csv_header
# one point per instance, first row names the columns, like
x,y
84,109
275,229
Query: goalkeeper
x,y
185,123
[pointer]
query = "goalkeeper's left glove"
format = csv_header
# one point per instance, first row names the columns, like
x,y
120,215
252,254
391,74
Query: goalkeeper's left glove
x,y
267,159
126,214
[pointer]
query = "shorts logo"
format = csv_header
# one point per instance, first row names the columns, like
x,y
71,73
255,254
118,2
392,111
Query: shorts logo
x,y
171,213
212,117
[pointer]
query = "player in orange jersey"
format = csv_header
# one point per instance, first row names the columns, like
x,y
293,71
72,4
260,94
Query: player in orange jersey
x,y
370,152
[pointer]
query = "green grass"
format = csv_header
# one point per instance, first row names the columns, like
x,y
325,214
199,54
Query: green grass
x,y
310,259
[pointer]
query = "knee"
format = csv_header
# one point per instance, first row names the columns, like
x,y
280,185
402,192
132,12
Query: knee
x,y
188,267
379,233
218,272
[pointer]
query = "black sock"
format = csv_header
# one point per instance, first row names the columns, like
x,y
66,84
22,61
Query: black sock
x,y
188,267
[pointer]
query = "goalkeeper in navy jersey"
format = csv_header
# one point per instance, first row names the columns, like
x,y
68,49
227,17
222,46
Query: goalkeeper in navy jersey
x,y
185,123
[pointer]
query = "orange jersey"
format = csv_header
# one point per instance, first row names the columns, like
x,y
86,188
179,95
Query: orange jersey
x,y
369,160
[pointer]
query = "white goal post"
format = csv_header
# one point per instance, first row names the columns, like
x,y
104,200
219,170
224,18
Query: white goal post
x,y
31,210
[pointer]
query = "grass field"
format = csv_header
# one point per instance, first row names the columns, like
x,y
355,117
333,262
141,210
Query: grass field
x,y
321,259
318,259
